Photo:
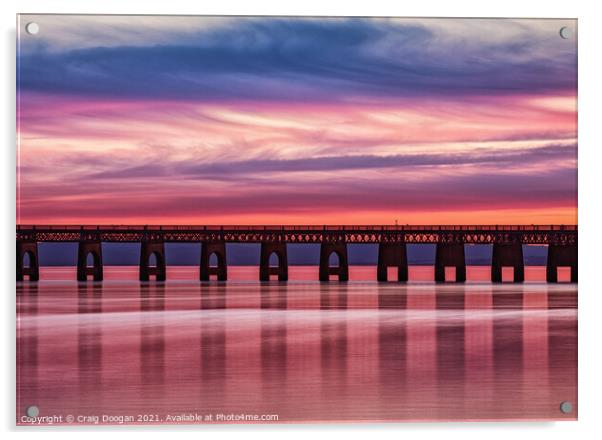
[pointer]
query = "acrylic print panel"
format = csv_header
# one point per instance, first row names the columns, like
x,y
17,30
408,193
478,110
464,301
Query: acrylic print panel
x,y
278,219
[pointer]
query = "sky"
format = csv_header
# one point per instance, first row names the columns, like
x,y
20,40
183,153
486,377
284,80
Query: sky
x,y
275,120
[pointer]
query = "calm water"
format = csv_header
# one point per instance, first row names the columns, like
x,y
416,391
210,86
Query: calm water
x,y
302,350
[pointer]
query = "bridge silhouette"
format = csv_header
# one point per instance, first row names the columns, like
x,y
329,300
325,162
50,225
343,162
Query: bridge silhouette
x,y
507,241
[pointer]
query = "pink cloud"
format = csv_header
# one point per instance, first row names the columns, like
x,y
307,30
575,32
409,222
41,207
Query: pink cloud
x,y
121,161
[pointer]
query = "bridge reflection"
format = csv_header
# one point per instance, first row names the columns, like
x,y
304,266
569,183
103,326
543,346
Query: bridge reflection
x,y
420,351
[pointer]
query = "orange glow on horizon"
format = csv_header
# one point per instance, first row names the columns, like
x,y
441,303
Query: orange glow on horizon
x,y
555,216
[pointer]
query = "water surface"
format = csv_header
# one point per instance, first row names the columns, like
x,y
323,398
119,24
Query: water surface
x,y
303,351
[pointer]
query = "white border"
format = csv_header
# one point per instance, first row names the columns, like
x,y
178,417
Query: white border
x,y
590,221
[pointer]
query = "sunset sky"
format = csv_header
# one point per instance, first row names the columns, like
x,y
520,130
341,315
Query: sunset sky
x,y
197,120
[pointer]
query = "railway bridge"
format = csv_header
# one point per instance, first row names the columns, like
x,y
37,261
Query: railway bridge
x,y
507,241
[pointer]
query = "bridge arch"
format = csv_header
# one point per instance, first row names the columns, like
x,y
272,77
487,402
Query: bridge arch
x,y
558,256
507,255
450,255
392,255
89,260
273,261
27,261
155,259
339,250
334,259
216,259
149,250
213,261
93,259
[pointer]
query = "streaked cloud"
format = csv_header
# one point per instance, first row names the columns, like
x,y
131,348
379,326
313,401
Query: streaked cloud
x,y
242,120
283,59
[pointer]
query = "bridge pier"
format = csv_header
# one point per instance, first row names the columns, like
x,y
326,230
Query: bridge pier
x,y
29,248
507,255
450,254
340,249
392,254
559,256
86,247
265,270
156,248
221,270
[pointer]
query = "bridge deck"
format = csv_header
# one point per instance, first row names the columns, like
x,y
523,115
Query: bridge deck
x,y
467,234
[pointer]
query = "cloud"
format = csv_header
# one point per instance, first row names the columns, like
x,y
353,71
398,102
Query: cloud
x,y
545,156
542,178
279,119
309,60
337,197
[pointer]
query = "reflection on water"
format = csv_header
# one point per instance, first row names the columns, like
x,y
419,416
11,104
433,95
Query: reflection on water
x,y
89,337
306,351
